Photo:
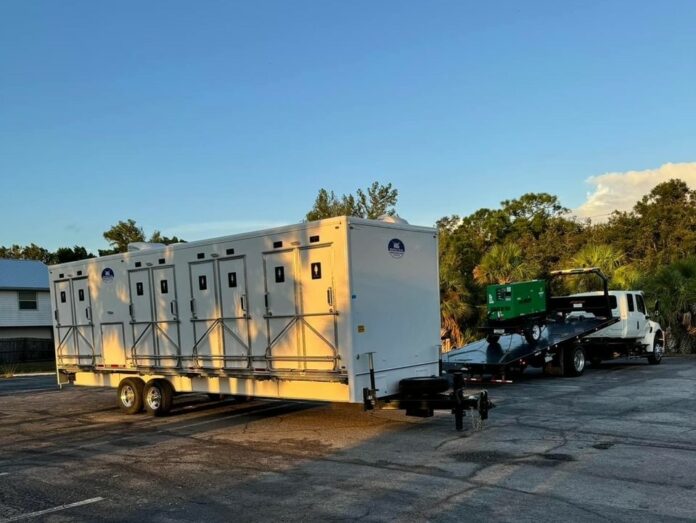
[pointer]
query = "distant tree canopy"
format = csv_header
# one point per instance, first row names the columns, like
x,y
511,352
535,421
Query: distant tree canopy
x,y
378,200
125,232
118,236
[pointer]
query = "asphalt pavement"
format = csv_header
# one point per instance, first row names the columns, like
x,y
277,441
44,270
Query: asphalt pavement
x,y
617,444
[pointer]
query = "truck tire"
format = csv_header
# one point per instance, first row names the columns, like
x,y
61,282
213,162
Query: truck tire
x,y
421,385
573,361
158,397
655,357
130,395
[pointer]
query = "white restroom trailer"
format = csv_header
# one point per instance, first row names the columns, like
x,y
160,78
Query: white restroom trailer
x,y
296,312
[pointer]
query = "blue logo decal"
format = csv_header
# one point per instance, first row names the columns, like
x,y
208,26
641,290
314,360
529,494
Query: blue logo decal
x,y
107,275
396,248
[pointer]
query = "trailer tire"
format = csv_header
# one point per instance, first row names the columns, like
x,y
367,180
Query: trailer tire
x,y
492,338
421,385
158,397
574,361
656,356
533,334
130,395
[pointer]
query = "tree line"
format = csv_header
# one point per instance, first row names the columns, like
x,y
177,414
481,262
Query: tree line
x,y
650,247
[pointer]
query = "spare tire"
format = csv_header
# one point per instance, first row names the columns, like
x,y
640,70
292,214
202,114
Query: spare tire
x,y
424,385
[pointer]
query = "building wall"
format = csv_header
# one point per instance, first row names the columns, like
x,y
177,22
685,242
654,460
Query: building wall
x,y
12,316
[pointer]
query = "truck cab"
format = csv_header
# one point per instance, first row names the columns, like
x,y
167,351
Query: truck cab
x,y
635,334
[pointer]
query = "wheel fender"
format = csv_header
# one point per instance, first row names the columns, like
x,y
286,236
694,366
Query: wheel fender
x,y
650,337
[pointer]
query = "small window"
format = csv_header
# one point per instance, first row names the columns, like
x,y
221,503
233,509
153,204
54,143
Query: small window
x,y
202,282
314,239
231,279
81,294
79,273
161,261
139,288
63,299
200,255
280,274
164,286
27,300
277,245
640,303
138,264
629,297
229,251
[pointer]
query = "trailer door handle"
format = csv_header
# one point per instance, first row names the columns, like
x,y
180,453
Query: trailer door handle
x,y
265,299
55,315
193,307
242,298
88,314
130,311
329,296
172,307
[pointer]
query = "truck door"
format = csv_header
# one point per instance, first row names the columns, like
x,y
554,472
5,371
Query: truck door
x,y
281,311
166,316
633,322
142,318
318,313
205,314
234,313
642,316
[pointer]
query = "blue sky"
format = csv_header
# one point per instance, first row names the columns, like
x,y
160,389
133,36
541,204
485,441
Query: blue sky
x,y
201,118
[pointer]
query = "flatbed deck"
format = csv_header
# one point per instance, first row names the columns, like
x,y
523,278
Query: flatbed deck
x,y
482,356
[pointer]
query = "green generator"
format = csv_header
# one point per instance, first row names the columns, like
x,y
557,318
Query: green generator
x,y
511,301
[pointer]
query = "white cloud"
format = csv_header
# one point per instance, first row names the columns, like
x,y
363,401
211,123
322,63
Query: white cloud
x,y
203,230
620,191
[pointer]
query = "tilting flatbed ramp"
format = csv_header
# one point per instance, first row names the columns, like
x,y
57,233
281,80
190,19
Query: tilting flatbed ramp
x,y
482,356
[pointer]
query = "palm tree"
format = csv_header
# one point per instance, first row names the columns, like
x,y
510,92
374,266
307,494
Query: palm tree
x,y
607,258
504,263
674,287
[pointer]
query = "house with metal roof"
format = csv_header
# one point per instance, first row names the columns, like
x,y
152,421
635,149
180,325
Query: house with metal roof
x,y
25,305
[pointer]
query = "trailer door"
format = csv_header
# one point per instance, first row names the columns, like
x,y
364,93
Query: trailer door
x,y
166,316
205,314
235,318
318,310
143,349
67,349
84,332
281,311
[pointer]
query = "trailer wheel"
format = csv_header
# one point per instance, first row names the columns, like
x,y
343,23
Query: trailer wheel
x,y
424,385
574,361
492,338
533,334
656,356
130,395
158,397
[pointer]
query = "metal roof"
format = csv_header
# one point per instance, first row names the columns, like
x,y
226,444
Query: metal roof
x,y
23,274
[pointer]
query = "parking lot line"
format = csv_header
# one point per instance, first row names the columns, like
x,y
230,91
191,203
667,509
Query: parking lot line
x,y
51,510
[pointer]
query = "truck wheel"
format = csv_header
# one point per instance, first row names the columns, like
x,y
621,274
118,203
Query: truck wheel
x,y
656,356
423,385
533,334
158,397
130,395
574,361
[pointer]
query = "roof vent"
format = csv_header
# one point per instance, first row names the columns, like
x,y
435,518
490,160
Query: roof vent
x,y
387,218
143,246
